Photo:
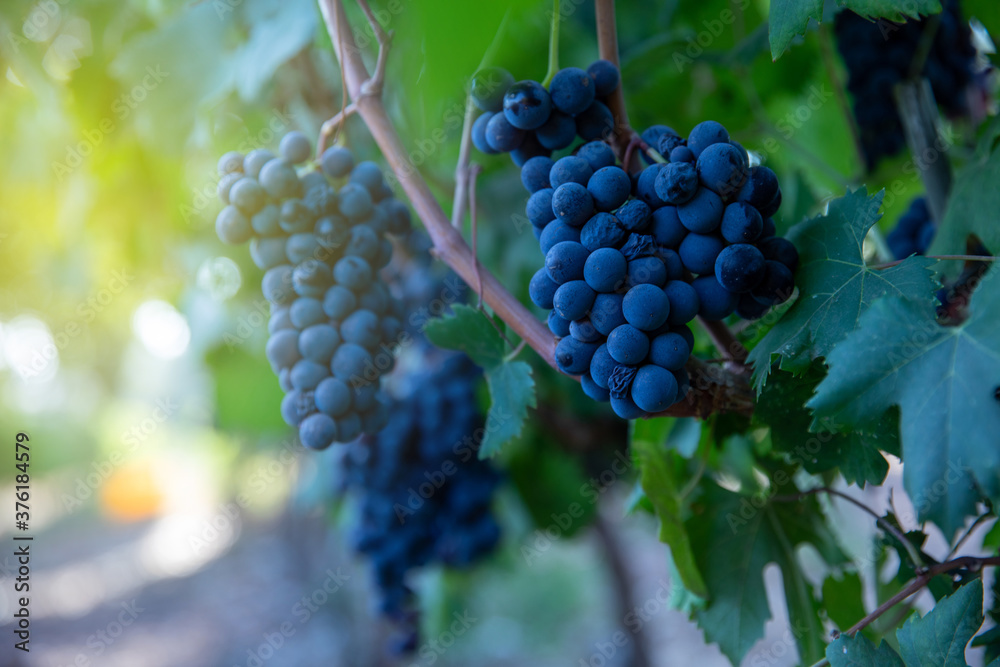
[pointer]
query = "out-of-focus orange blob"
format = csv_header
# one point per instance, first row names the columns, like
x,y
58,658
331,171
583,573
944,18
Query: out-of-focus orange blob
x,y
132,493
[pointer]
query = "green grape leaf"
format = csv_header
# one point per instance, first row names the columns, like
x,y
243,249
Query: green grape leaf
x,y
858,651
940,637
734,538
991,540
990,640
894,10
944,381
782,407
182,63
680,598
973,202
789,18
512,392
553,486
659,480
835,285
842,600
279,29
468,330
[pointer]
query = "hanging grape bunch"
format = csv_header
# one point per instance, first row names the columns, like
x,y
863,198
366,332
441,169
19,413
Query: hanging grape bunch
x,y
423,494
878,55
333,323
631,259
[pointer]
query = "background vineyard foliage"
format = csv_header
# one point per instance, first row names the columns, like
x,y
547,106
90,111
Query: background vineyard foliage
x,y
112,117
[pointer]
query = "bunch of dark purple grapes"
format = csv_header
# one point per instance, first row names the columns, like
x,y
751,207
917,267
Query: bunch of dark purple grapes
x,y
630,259
333,324
878,55
424,495
526,120
914,231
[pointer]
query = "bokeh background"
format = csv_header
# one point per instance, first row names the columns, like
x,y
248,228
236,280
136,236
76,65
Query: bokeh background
x,y
131,339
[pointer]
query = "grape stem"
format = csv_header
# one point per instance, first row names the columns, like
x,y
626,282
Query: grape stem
x,y
713,389
725,342
919,115
465,148
968,533
373,85
916,584
330,127
912,552
473,174
553,44
958,258
462,168
607,44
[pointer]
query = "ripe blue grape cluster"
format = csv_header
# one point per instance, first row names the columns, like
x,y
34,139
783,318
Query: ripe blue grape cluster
x,y
526,120
914,231
630,259
878,55
333,323
423,494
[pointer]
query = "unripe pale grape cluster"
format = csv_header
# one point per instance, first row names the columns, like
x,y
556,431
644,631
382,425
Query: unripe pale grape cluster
x,y
320,236
631,259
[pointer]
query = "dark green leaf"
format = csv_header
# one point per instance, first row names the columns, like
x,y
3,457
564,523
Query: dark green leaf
x,y
782,407
680,598
835,285
734,539
549,483
470,331
789,18
991,540
943,379
659,481
842,600
512,392
973,202
857,651
894,10
939,638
